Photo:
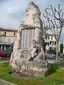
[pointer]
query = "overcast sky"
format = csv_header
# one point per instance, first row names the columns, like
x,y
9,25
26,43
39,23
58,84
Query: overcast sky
x,y
12,11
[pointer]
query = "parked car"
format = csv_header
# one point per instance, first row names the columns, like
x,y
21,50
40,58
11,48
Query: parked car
x,y
4,55
49,55
7,52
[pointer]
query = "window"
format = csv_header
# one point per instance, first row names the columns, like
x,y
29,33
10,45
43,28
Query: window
x,y
8,47
47,37
55,42
4,47
27,37
3,38
14,33
47,43
9,39
4,33
52,43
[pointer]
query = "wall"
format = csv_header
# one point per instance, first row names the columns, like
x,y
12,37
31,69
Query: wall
x,y
7,37
49,41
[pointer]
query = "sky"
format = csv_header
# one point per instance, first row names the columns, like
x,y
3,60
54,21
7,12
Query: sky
x,y
12,11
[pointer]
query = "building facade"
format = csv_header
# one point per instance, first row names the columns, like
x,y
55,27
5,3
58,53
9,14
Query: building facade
x,y
50,41
7,37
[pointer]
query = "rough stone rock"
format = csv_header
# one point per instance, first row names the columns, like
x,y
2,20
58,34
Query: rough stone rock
x,y
30,61
32,15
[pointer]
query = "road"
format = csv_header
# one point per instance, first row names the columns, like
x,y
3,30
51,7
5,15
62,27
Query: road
x,y
3,82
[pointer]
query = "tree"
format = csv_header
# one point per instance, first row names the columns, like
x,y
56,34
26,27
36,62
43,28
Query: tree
x,y
61,48
55,22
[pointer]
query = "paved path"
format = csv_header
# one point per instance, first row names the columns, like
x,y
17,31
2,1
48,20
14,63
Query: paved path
x,y
3,82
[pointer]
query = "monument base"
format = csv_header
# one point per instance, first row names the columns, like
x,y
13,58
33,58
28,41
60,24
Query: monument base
x,y
24,66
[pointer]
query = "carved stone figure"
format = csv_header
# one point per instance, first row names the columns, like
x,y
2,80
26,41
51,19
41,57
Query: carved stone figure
x,y
28,53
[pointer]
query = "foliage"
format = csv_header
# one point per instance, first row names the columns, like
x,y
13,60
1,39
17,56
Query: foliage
x,y
52,68
56,76
61,48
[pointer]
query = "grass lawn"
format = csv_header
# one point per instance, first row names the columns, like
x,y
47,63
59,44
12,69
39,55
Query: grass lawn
x,y
55,76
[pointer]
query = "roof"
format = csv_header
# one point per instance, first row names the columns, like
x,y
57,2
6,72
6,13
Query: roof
x,y
9,30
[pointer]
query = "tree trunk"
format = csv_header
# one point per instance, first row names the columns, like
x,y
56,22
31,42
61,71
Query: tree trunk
x,y
57,50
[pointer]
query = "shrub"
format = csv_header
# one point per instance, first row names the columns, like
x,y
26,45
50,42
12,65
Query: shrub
x,y
61,48
52,68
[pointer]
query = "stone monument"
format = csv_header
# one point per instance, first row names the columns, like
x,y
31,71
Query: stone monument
x,y
28,54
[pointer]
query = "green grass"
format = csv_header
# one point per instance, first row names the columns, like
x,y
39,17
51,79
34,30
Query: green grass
x,y
52,69
54,77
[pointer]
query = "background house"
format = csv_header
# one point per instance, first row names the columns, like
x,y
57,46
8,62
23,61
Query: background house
x,y
50,41
7,37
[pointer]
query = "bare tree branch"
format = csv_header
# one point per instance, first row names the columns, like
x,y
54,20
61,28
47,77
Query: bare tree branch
x,y
55,23
54,19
